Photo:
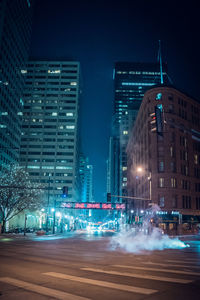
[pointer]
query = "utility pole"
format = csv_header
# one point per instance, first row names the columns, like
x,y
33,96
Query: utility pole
x,y
47,220
25,224
54,217
150,189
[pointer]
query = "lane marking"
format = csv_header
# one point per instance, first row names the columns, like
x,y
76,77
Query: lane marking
x,y
170,265
159,270
106,284
41,289
159,278
185,261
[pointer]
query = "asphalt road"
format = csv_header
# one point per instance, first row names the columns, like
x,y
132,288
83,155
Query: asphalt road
x,y
80,267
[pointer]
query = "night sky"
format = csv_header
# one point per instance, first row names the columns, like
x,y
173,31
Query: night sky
x,y
99,33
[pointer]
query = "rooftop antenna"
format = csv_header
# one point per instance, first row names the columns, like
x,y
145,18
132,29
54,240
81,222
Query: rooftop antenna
x,y
160,61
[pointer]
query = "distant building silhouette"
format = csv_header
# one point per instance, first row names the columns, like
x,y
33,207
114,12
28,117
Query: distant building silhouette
x,y
86,179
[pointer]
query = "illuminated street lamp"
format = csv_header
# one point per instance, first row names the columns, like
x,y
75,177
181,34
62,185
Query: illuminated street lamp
x,y
141,170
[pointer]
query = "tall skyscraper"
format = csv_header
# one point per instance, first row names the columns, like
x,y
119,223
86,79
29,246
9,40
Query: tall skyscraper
x,y
15,33
49,144
131,80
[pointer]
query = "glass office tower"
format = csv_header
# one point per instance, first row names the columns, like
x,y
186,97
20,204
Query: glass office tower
x,y
131,80
15,33
49,144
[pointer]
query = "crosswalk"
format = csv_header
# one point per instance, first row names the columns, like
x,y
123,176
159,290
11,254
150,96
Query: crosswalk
x,y
122,287
170,271
41,290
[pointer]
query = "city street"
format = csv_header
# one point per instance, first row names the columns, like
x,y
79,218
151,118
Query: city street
x,y
80,266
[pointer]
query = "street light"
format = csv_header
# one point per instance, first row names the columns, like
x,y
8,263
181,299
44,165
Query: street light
x,y
141,170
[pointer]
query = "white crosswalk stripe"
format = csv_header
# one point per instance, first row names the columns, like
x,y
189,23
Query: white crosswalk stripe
x,y
152,277
41,290
171,265
106,284
159,270
185,261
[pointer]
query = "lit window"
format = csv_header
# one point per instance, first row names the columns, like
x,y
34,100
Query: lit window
x,y
125,132
138,83
63,168
23,71
124,168
47,167
54,114
69,114
20,113
70,127
21,101
173,182
73,83
4,113
161,166
33,167
171,151
162,201
54,71
195,159
161,182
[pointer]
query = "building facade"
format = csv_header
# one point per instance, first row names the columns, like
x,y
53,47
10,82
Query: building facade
x,y
49,143
15,34
164,157
131,80
86,179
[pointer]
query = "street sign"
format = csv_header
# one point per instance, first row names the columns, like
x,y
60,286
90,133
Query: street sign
x,y
93,205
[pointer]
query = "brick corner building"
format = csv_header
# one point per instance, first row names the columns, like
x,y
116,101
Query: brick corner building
x,y
164,157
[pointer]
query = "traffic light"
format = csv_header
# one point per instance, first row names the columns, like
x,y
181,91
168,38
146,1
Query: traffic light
x,y
153,121
108,197
159,119
65,191
137,219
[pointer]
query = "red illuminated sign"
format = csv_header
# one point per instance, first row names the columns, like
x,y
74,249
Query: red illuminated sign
x,y
93,205
106,206
79,205
120,206
96,205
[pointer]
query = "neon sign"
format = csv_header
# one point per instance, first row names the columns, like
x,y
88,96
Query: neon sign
x,y
106,206
96,205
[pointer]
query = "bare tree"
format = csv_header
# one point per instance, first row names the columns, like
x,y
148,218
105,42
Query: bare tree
x,y
17,193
